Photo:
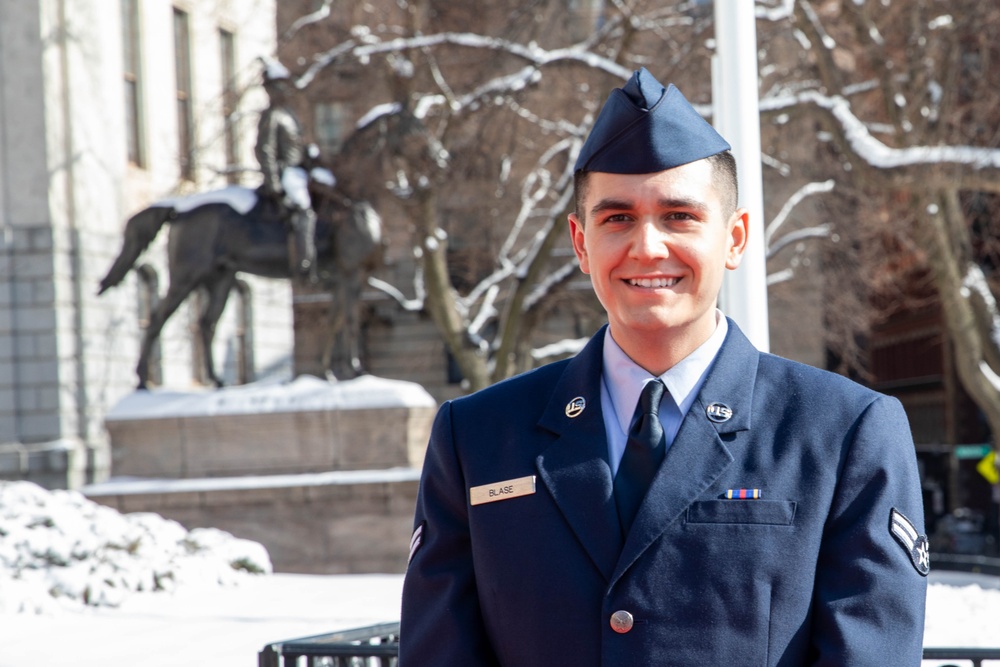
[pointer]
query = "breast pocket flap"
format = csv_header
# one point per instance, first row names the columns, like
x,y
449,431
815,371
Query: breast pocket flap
x,y
767,512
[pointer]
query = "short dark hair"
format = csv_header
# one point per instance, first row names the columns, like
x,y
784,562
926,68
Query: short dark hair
x,y
580,192
723,171
726,180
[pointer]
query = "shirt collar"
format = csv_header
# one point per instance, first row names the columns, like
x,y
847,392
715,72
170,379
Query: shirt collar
x,y
624,379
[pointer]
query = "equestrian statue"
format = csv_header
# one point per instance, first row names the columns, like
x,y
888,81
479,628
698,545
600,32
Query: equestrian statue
x,y
214,235
295,225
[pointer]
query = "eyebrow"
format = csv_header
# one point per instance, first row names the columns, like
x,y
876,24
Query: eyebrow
x,y
612,204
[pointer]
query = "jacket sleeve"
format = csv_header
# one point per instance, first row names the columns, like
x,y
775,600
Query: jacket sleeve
x,y
441,622
870,587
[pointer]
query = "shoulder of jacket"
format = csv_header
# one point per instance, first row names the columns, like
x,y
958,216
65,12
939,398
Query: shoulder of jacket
x,y
798,374
523,384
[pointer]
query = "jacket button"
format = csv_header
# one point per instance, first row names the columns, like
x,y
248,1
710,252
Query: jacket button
x,y
621,621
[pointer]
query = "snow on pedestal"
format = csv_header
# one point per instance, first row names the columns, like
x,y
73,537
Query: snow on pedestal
x,y
308,425
304,393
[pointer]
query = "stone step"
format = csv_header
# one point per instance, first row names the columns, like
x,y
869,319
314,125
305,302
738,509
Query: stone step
x,y
339,522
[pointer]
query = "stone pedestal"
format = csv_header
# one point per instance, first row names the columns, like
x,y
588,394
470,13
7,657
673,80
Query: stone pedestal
x,y
323,474
308,425
344,522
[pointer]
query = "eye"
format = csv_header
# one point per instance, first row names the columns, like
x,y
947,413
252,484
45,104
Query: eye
x,y
680,215
617,217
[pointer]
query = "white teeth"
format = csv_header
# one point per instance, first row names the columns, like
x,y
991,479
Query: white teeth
x,y
653,282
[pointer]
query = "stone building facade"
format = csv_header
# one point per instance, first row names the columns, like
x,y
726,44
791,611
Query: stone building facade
x,y
106,107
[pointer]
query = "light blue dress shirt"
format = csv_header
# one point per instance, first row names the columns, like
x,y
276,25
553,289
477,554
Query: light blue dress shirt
x,y
622,381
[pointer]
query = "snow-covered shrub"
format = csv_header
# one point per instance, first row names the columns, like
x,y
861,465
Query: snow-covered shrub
x,y
58,547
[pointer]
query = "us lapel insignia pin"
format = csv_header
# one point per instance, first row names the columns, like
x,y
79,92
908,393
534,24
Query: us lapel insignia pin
x,y
575,407
719,412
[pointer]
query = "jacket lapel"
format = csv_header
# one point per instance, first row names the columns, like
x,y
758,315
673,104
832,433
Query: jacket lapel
x,y
698,455
575,467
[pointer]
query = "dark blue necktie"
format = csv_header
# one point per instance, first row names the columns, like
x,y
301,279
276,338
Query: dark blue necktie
x,y
643,454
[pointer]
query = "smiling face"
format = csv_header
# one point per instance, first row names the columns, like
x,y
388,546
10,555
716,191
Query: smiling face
x,y
656,247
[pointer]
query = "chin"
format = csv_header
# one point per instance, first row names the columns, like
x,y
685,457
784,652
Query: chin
x,y
654,325
665,323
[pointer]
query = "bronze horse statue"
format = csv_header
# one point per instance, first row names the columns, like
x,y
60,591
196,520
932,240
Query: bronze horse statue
x,y
211,242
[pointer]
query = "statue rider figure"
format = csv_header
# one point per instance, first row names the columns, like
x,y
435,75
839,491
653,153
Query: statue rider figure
x,y
281,155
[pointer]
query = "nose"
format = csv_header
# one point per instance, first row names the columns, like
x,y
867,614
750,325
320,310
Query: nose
x,y
649,241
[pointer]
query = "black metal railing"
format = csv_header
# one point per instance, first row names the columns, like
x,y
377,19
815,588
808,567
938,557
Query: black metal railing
x,y
966,563
372,646
378,646
974,655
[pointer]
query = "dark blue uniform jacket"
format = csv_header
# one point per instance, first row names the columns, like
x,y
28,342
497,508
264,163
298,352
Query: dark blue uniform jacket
x,y
809,573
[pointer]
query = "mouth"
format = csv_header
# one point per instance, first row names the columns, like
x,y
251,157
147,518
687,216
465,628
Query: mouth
x,y
653,282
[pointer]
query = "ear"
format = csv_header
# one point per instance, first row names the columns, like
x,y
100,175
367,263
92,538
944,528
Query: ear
x,y
576,233
739,234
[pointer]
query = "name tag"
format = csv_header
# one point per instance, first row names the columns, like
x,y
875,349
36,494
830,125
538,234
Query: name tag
x,y
512,488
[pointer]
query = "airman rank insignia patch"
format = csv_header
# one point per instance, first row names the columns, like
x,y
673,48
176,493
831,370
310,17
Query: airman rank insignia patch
x,y
416,540
913,543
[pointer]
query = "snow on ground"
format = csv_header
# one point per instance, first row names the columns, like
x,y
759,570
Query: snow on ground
x,y
84,585
962,610
202,627
58,549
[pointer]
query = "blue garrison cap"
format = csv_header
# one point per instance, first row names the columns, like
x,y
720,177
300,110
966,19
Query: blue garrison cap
x,y
644,128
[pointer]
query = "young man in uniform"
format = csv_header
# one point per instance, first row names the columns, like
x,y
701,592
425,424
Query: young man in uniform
x,y
669,496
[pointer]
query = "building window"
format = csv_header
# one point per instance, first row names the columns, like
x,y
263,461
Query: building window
x,y
230,102
149,298
331,126
182,72
132,64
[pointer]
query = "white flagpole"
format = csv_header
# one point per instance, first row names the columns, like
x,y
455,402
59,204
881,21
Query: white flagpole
x,y
736,116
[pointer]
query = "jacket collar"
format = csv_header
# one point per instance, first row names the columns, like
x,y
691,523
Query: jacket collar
x,y
575,467
699,454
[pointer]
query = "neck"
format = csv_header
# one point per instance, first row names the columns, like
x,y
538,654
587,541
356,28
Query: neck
x,y
659,351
